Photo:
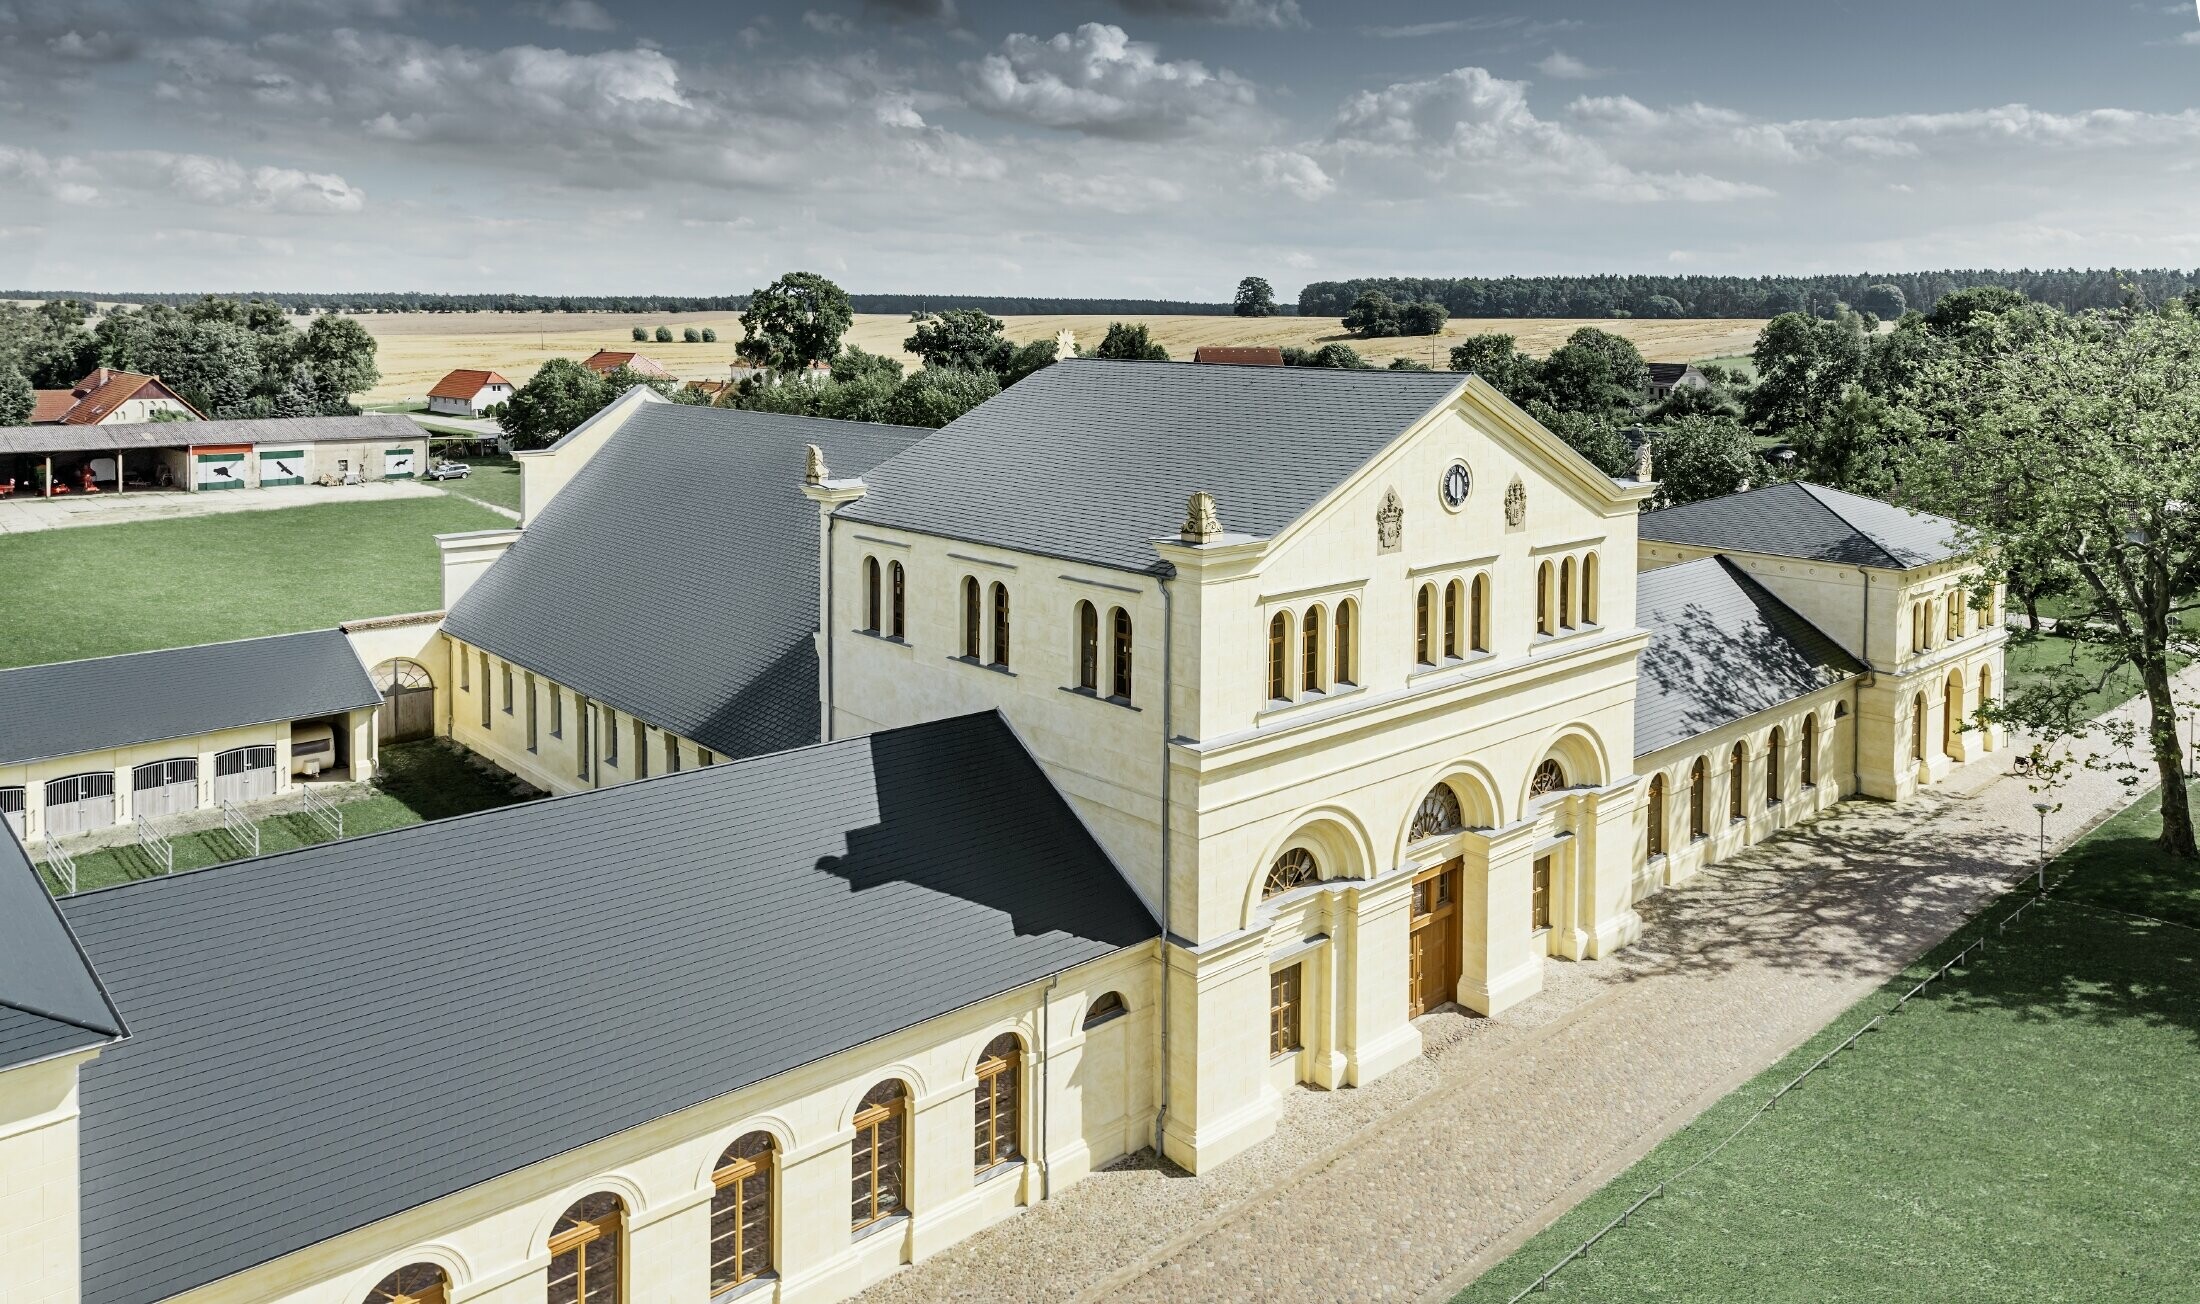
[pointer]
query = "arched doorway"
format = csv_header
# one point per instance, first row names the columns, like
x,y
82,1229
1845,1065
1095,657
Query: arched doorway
x,y
408,702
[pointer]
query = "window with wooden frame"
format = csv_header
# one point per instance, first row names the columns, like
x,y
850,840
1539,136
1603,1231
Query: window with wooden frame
x,y
1109,1006
703,756
1310,650
870,595
1478,614
1279,658
1737,781
585,1252
1345,669
1292,870
1424,616
1589,589
1539,895
1284,1012
1810,749
1543,598
999,1106
1656,815
641,748
1088,647
672,754
1566,593
1699,779
897,599
1775,753
533,736
1000,624
741,1212
1119,621
1454,594
880,1159
415,1283
971,626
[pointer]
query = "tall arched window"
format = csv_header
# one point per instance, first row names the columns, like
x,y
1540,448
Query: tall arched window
x,y
1589,589
1310,650
1119,621
1279,658
741,1212
1737,780
1088,647
1000,1096
1478,614
1000,624
1951,713
1775,749
881,1159
894,582
971,647
1810,749
1657,814
1293,869
1424,649
870,594
585,1249
1346,667
1955,615
1438,814
1917,728
415,1283
1985,685
1543,598
1566,593
1454,635
1549,777
1699,779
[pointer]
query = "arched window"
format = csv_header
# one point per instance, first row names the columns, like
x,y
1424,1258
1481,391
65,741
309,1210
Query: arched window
x,y
1310,650
1955,615
415,1283
1917,728
1917,626
1454,636
1737,780
1000,1095
1566,593
1543,598
1346,668
1438,815
1279,658
971,648
1589,589
1424,650
1951,713
881,1158
1549,777
585,1249
1657,815
1000,624
741,1212
1108,1007
1775,748
1088,647
1293,869
1985,686
894,578
1120,622
1478,614
1810,749
870,594
1699,778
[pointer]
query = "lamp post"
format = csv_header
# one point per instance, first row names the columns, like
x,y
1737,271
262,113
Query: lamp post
x,y
2042,807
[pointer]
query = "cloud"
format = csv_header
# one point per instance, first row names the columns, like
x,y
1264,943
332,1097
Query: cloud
x,y
65,180
1708,131
1098,81
1517,25
1292,173
917,11
573,15
1227,13
830,24
104,45
1565,67
226,183
1115,192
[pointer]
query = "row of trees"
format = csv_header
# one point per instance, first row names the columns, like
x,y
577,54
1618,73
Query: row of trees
x,y
226,357
305,303
1375,315
690,335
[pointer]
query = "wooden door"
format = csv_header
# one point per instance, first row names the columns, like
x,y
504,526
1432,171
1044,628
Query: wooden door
x,y
1433,947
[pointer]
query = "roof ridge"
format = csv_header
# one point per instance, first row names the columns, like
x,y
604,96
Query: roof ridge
x,y
1817,494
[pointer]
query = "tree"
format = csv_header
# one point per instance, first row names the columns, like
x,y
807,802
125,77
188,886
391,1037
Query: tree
x,y
1886,302
795,321
960,337
1027,358
1409,364
557,398
1696,458
691,336
937,395
1594,372
664,335
1955,311
1851,448
1132,341
1342,357
2077,452
1804,364
1426,317
853,364
1593,437
300,395
710,336
339,353
1374,315
1255,298
1663,306
641,334
17,398
1495,359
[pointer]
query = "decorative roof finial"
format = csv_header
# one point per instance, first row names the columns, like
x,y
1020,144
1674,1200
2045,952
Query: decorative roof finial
x,y
814,472
1065,343
1201,525
1642,462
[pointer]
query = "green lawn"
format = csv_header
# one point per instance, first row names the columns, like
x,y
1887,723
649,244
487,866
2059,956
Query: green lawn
x,y
2025,1131
419,781
494,480
103,589
1742,364
2028,656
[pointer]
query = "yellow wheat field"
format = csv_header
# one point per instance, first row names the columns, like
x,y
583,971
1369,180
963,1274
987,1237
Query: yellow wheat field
x,y
416,349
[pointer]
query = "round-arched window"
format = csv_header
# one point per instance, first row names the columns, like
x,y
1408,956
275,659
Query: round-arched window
x,y
1549,777
400,673
1439,814
415,1283
1108,1006
1293,869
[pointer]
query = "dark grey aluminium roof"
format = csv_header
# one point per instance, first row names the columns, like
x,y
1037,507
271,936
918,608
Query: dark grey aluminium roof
x,y
68,707
368,427
1811,522
1720,648
51,1002
675,577
1092,459
332,1035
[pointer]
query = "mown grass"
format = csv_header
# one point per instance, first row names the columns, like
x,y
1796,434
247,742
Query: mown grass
x,y
104,589
495,480
2031,658
2022,1132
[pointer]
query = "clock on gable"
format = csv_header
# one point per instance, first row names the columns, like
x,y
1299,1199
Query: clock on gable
x,y
1455,486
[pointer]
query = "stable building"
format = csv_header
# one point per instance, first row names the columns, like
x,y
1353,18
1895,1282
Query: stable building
x,y
208,456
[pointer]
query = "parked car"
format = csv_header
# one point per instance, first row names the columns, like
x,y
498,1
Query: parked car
x,y
448,470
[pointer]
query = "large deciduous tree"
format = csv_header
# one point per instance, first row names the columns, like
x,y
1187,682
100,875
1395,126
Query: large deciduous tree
x,y
17,398
1255,298
557,398
1804,365
1131,340
969,338
795,321
2072,445
1695,458
340,354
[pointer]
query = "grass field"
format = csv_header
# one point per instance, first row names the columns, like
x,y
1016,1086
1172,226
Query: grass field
x,y
419,781
104,589
416,349
495,480
2022,1132
2028,656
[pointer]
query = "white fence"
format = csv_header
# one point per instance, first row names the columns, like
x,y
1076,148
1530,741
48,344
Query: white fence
x,y
155,844
241,829
61,863
321,810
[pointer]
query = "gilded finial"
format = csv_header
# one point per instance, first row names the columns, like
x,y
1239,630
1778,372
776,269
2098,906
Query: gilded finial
x,y
1201,525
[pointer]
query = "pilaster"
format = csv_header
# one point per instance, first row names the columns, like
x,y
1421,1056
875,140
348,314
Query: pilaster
x,y
1219,1098
1501,958
1373,1032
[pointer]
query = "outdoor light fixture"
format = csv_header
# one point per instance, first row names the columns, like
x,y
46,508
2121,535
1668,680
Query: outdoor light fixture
x,y
2042,807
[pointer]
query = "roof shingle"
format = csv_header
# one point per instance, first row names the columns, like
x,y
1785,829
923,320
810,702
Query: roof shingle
x,y
1809,522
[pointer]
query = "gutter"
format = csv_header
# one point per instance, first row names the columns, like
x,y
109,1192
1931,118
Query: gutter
x,y
1046,1094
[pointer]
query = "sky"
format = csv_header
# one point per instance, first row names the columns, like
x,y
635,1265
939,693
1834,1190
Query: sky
x,y
1122,148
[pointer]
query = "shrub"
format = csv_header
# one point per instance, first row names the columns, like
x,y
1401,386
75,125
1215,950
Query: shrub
x,y
641,334
691,336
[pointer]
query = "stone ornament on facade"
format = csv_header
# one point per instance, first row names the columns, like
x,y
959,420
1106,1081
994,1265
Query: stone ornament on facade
x,y
1642,463
1516,504
1201,524
1390,522
814,469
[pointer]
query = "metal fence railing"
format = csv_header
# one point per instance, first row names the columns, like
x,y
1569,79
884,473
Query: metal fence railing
x,y
60,863
241,829
155,844
321,810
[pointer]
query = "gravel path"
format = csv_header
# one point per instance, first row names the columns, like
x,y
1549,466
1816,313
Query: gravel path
x,y
31,515
1406,1189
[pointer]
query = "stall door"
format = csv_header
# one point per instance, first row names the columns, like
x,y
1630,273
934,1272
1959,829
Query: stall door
x,y
79,804
244,774
164,787
282,466
218,467
11,809
398,464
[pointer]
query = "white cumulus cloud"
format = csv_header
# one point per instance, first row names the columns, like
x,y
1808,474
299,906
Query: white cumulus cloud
x,y
1100,82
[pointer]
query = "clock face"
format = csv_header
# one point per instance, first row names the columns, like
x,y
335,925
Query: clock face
x,y
1455,485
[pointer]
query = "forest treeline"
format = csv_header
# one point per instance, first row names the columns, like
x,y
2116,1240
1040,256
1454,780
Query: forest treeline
x,y
412,301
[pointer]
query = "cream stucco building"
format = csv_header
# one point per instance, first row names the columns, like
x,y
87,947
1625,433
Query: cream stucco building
x,y
942,816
